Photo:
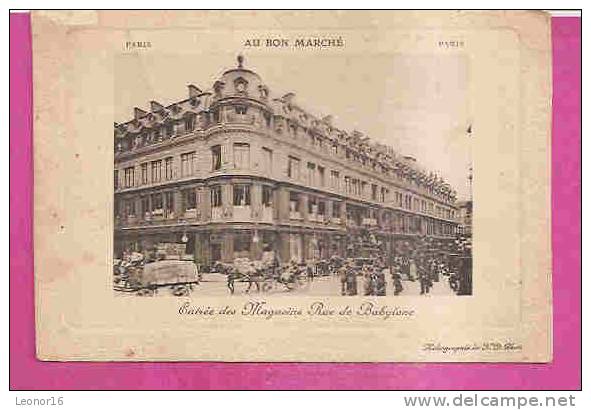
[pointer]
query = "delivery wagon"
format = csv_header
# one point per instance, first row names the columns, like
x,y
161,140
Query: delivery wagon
x,y
179,276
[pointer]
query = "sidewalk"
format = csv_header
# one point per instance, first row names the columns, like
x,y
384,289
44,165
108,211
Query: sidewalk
x,y
440,288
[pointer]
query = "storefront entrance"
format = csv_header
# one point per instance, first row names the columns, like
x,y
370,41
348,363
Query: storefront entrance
x,y
216,252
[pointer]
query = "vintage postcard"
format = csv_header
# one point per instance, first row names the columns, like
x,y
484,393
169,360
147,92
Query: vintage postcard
x,y
304,186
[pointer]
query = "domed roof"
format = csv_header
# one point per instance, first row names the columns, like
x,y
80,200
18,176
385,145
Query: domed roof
x,y
240,82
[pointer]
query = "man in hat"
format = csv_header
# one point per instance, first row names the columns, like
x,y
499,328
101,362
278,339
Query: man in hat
x,y
424,277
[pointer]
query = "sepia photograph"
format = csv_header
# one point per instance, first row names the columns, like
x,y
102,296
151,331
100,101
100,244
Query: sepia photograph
x,y
257,183
238,184
295,199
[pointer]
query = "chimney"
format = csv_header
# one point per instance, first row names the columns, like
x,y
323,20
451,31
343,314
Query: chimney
x,y
194,91
138,113
155,106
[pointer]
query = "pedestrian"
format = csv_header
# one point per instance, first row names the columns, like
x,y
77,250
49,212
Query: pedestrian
x,y
351,281
424,277
343,278
412,269
433,267
367,282
380,283
397,282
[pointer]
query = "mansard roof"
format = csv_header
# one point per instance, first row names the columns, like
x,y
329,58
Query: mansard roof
x,y
242,82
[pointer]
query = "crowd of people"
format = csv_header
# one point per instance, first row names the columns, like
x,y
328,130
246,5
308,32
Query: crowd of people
x,y
368,277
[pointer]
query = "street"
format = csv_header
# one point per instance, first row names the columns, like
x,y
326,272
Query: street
x,y
214,284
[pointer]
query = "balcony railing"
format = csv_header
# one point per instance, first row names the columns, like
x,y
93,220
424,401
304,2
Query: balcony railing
x,y
267,215
295,215
240,118
312,217
351,223
242,213
190,214
216,213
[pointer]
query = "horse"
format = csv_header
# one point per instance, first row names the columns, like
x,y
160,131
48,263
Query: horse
x,y
239,274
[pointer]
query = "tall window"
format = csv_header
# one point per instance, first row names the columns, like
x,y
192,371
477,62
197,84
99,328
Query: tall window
x,y
216,196
188,166
267,196
241,155
157,202
157,171
356,186
312,205
168,203
334,179
294,202
348,187
374,192
216,157
311,173
241,195
336,209
383,194
129,177
267,161
321,181
189,199
130,207
144,173
168,168
189,123
145,205
293,167
116,179
321,207
169,130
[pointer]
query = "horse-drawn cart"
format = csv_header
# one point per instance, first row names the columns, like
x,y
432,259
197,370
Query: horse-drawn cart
x,y
178,276
264,277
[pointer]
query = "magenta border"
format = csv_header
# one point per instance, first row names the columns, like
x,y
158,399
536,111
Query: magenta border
x,y
564,373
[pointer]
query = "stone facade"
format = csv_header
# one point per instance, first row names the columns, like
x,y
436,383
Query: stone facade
x,y
233,172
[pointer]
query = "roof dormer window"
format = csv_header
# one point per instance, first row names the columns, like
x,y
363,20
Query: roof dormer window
x,y
241,85
218,87
264,91
240,109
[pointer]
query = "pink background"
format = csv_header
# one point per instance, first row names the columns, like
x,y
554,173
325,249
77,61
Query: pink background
x,y
563,374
